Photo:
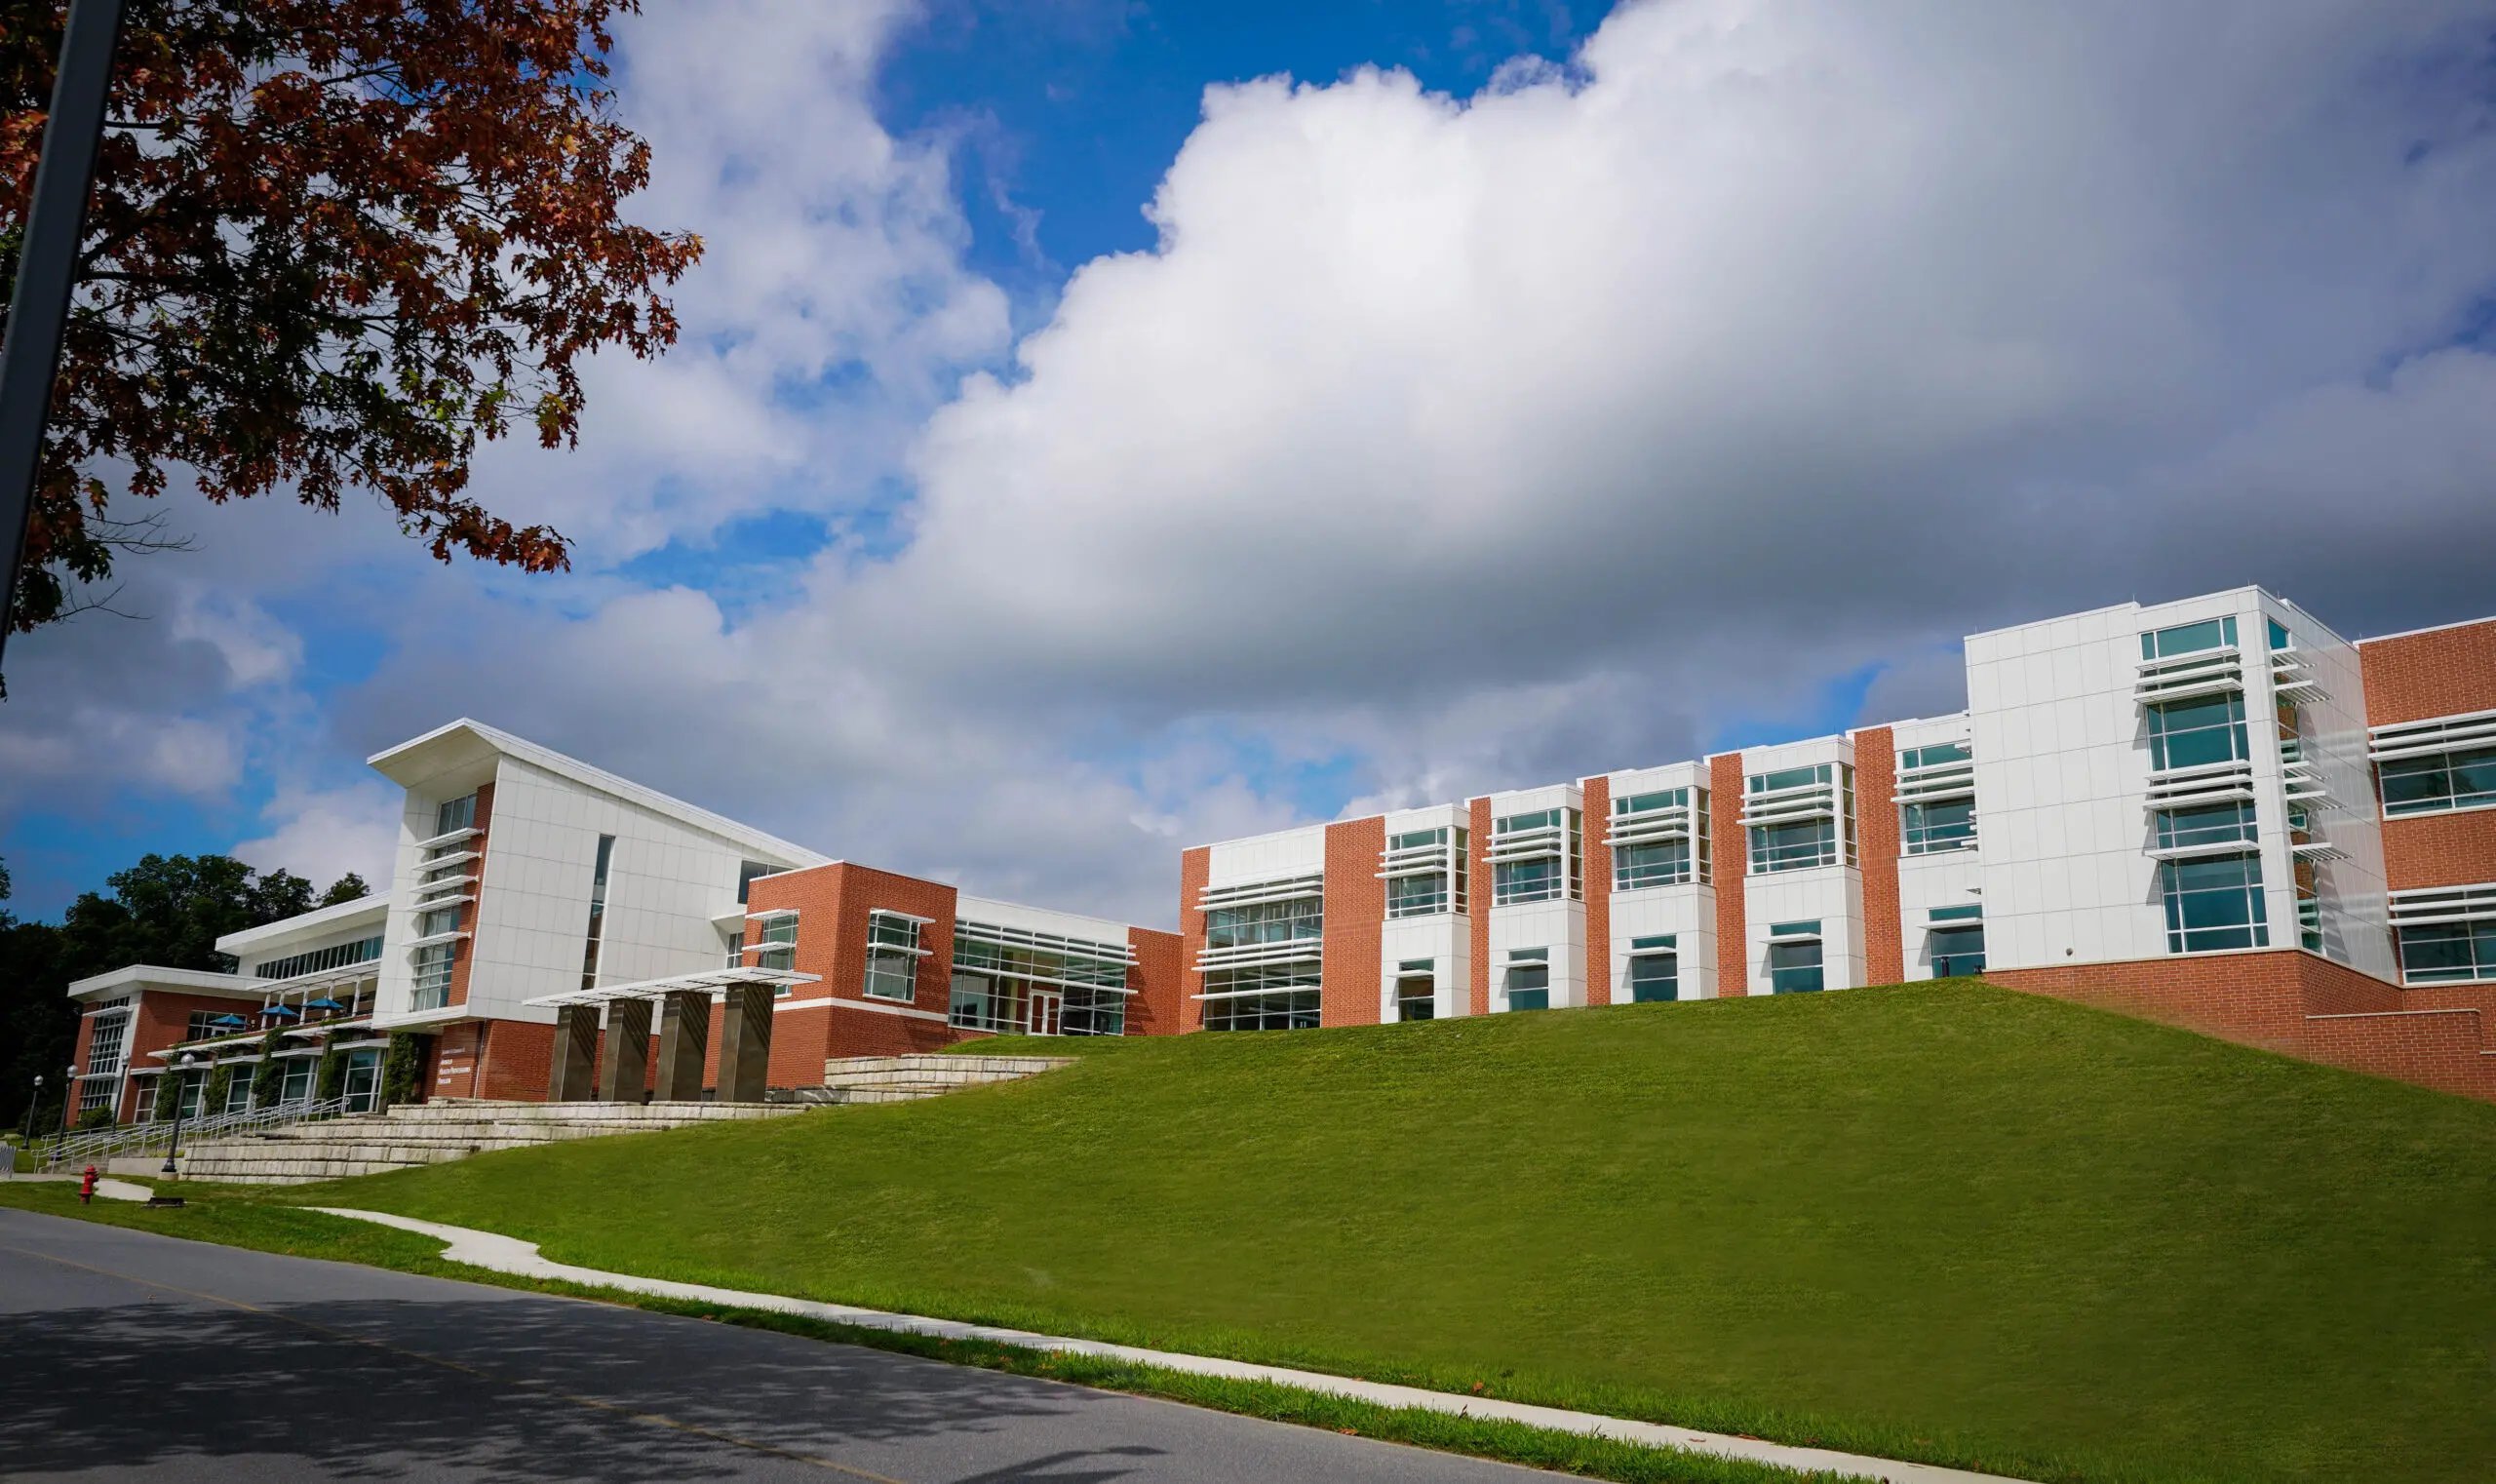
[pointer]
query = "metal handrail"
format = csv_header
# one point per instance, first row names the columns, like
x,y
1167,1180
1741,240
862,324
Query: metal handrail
x,y
106,1143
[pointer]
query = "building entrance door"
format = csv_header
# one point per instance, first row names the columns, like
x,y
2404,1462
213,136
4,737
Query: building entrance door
x,y
1048,1010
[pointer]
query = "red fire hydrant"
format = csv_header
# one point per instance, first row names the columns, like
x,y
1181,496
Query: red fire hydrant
x,y
87,1188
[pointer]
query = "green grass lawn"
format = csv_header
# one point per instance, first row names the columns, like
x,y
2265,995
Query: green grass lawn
x,y
1944,1222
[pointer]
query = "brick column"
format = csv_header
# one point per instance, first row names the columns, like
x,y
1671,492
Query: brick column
x,y
1732,869
1478,902
1598,888
684,1033
624,1076
1356,909
744,1043
574,1076
1876,835
1195,869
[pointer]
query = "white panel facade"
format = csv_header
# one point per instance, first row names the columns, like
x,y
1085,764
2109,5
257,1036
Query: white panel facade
x,y
1686,912
1557,926
1831,895
1266,857
1444,938
1037,920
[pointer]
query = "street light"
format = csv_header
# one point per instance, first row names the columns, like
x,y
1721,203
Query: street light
x,y
182,1095
26,1130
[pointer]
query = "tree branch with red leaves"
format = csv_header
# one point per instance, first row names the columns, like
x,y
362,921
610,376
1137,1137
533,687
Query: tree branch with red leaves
x,y
331,242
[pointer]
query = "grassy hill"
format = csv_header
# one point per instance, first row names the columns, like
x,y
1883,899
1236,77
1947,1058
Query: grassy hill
x,y
1945,1222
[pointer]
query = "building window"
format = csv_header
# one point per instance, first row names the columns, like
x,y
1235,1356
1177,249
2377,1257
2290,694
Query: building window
x,y
776,942
238,1092
2190,638
1655,969
336,957
751,872
1932,828
2213,825
1415,988
2448,780
106,1042
97,1092
1007,979
2449,953
1425,870
1256,923
1959,949
433,976
204,1024
1536,857
1658,839
363,1081
2198,733
297,1083
892,955
455,815
1265,996
1801,817
1794,957
1528,980
597,933
2213,904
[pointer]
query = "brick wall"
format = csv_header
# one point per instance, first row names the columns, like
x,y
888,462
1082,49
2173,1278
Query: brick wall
x,y
833,903
1195,869
1478,903
1876,833
464,951
2457,849
517,1060
1598,855
2442,1049
1356,909
1160,1006
1733,866
2440,673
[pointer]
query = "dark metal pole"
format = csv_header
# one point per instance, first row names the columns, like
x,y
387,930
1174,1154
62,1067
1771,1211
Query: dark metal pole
x,y
47,266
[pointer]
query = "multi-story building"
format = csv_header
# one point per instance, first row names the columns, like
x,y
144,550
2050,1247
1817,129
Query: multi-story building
x,y
533,891
2217,811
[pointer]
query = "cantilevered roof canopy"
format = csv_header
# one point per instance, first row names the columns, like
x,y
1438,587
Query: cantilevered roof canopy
x,y
704,981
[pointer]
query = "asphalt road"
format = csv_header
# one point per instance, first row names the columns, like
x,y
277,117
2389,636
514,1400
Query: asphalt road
x,y
127,1355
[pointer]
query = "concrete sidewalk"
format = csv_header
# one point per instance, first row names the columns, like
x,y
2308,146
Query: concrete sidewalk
x,y
505,1254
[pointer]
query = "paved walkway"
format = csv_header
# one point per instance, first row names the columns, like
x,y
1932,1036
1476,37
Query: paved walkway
x,y
505,1254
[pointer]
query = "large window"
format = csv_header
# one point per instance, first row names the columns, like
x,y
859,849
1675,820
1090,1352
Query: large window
x,y
1663,840
1529,986
776,942
295,1082
106,1042
1265,922
1415,988
1535,857
1794,958
1958,948
751,872
97,1092
1655,969
2448,780
454,814
1931,828
1268,996
2213,904
892,955
2198,732
1425,872
1010,979
595,936
203,1024
335,956
2190,638
2449,953
2213,825
432,967
1801,817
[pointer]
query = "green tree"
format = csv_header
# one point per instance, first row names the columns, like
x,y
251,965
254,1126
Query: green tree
x,y
167,911
349,887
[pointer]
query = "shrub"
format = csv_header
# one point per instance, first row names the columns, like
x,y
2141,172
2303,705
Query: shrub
x,y
268,1078
401,1067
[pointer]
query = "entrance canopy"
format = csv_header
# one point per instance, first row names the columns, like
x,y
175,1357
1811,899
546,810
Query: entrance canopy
x,y
705,981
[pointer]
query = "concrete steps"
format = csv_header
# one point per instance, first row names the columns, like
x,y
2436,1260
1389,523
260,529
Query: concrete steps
x,y
432,1133
855,1079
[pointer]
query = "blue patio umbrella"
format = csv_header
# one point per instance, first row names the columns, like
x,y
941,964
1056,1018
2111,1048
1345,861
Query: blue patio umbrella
x,y
324,1003
229,1020
284,1012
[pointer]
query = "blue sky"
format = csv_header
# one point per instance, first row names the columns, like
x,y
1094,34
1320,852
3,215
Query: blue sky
x,y
1597,388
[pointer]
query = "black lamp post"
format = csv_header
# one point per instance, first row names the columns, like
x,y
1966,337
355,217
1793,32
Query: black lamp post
x,y
182,1095
26,1130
